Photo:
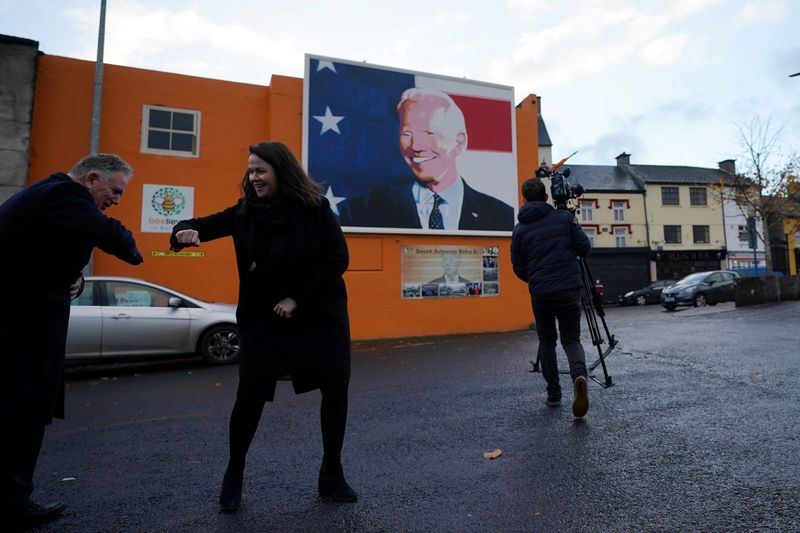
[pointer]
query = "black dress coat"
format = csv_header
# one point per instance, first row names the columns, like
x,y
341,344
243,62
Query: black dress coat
x,y
47,233
286,249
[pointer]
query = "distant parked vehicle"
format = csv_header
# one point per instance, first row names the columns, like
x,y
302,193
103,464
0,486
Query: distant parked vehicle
x,y
700,289
116,318
646,295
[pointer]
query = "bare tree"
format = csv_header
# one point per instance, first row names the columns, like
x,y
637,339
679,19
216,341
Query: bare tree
x,y
766,185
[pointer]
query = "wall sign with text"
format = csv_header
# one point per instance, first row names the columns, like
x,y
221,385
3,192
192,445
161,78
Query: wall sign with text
x,y
431,271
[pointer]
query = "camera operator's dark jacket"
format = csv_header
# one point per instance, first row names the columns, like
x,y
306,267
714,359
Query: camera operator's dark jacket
x,y
545,246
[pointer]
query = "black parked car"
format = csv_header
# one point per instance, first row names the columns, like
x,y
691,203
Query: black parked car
x,y
646,295
700,288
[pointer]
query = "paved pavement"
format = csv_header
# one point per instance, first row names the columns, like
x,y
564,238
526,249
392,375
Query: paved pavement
x,y
699,433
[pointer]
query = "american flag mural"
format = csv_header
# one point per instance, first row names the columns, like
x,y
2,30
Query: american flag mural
x,y
351,136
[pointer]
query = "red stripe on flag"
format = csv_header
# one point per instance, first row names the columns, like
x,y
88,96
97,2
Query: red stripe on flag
x,y
488,123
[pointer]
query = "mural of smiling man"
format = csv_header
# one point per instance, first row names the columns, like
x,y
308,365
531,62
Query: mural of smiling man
x,y
432,135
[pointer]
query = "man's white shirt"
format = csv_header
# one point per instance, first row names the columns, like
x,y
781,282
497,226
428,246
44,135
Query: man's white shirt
x,y
450,208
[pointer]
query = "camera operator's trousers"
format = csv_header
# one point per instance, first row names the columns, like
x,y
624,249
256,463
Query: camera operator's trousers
x,y
563,308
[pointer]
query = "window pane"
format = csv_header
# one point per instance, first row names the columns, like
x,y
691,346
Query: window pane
x,y
697,196
700,234
182,121
586,211
620,234
158,139
183,142
87,296
672,234
159,119
133,295
669,196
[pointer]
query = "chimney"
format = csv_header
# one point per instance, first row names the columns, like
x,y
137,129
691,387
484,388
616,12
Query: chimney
x,y
729,166
623,160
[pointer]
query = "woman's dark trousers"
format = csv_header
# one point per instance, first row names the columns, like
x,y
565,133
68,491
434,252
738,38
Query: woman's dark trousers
x,y
333,419
559,313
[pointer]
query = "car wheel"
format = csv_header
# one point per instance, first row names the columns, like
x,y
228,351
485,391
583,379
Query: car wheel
x,y
669,307
220,344
700,300
641,299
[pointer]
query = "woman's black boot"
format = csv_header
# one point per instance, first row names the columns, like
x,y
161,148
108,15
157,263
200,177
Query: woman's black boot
x,y
333,485
230,497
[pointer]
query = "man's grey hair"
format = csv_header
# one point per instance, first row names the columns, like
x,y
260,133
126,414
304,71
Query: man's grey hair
x,y
452,113
103,164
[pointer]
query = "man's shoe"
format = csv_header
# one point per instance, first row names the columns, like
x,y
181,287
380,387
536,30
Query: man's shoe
x,y
553,401
32,512
581,402
230,497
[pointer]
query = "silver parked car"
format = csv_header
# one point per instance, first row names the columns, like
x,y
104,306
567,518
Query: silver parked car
x,y
118,317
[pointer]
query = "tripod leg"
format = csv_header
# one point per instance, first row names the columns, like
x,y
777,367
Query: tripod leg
x,y
592,308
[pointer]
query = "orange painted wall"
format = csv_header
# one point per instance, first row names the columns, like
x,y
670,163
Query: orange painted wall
x,y
233,116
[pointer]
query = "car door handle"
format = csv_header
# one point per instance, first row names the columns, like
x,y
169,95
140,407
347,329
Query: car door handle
x,y
119,316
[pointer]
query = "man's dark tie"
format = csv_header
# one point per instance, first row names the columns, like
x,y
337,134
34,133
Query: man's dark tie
x,y
435,221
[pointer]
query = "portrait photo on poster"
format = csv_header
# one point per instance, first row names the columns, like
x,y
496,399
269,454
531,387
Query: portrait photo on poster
x,y
443,271
398,151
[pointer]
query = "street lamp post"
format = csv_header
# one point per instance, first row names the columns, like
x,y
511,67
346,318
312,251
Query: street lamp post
x,y
97,101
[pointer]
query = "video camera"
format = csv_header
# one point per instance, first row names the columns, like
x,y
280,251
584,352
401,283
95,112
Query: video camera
x,y
561,190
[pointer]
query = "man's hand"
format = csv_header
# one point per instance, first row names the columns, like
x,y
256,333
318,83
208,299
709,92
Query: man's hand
x,y
186,237
285,308
76,288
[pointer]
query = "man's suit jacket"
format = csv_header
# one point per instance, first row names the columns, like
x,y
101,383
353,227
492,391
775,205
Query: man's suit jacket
x,y
393,206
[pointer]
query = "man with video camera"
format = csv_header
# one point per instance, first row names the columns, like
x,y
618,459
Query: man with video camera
x,y
545,247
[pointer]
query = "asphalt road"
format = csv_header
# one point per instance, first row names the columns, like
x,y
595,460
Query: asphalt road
x,y
699,433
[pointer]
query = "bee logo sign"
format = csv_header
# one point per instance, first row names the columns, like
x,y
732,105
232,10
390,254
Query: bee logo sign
x,y
164,205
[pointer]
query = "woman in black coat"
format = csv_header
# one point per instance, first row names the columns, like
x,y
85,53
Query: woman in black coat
x,y
292,315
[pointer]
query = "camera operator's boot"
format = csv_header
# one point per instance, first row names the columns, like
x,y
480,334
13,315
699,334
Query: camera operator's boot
x,y
580,403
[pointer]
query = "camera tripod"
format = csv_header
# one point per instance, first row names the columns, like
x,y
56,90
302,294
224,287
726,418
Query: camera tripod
x,y
592,310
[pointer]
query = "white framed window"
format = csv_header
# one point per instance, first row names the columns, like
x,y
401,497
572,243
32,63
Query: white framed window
x,y
620,236
170,131
619,211
592,234
587,211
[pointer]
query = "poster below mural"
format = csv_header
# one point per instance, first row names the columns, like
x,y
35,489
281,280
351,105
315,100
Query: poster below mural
x,y
163,206
431,271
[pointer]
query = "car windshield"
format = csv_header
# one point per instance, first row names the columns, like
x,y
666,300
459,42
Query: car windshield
x,y
692,278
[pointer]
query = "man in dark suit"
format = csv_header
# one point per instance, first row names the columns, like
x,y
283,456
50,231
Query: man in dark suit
x,y
47,233
433,134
